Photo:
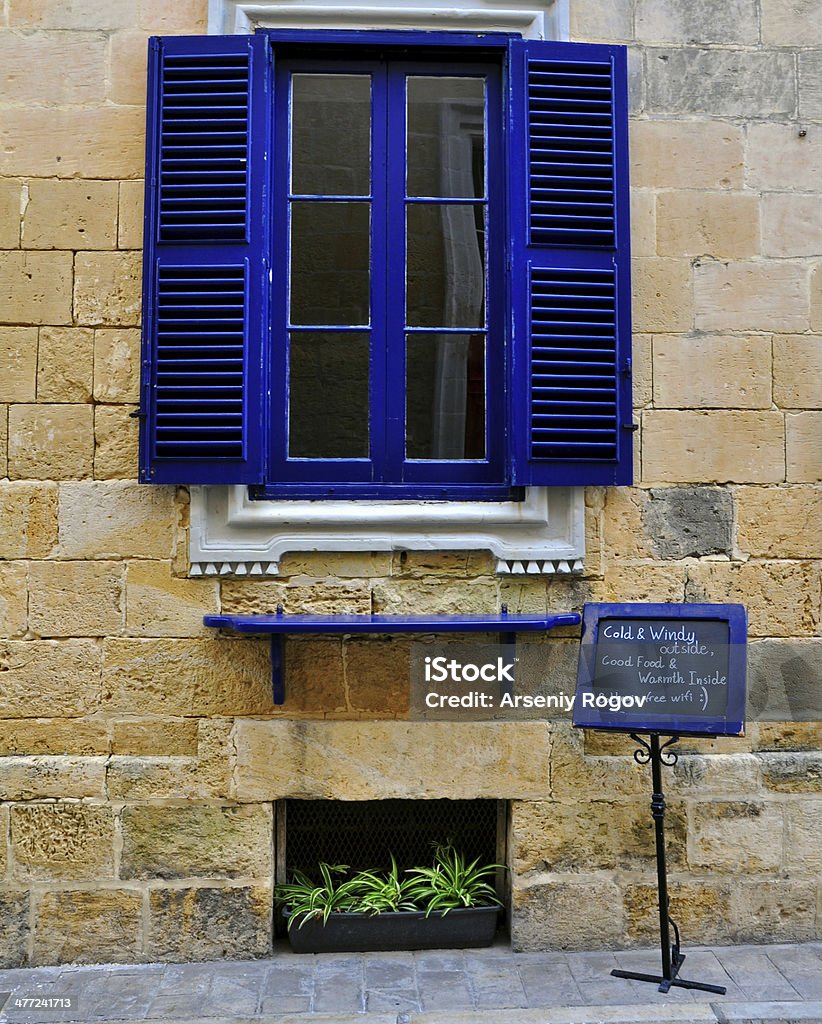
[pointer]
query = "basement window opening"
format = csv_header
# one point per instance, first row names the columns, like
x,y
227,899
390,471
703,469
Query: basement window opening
x,y
364,833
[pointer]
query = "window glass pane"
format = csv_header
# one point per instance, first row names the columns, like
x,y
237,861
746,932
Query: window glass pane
x,y
329,263
445,271
446,137
331,135
328,395
445,396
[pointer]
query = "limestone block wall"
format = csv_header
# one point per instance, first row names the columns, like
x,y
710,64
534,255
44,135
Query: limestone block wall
x,y
141,757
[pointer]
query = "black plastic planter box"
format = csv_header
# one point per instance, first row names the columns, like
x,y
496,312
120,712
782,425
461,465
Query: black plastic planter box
x,y
462,928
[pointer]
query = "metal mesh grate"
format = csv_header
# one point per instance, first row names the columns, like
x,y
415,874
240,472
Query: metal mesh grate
x,y
363,834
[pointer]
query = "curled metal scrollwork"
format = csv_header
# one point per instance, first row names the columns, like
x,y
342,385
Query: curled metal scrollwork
x,y
644,753
669,757
642,756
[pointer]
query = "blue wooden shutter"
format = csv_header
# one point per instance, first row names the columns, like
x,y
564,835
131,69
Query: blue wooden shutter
x,y
569,264
205,278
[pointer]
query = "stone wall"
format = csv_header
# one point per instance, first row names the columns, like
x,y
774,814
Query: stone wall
x,y
141,755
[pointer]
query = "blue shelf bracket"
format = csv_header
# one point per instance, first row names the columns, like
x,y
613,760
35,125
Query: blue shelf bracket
x,y
279,625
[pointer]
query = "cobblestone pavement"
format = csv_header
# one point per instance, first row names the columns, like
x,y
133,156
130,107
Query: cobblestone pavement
x,y
776,983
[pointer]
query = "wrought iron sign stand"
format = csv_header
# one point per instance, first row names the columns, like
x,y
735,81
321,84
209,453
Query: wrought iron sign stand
x,y
672,958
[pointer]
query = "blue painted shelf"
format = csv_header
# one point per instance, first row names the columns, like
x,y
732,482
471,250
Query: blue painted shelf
x,y
279,625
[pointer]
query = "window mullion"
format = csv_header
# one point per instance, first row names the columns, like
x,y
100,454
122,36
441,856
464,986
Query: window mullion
x,y
379,259
395,274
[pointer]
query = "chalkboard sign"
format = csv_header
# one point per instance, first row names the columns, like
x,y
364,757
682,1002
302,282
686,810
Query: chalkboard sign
x,y
670,668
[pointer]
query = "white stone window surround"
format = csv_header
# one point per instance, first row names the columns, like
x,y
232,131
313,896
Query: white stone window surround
x,y
542,534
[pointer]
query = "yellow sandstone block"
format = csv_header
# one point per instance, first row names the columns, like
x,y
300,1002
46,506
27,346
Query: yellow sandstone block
x,y
33,736
160,604
35,287
13,602
108,519
763,296
117,365
777,158
11,193
643,222
816,300
686,154
87,142
107,288
182,17
130,224
233,841
662,295
782,597
18,357
65,363
49,677
791,225
734,372
73,599
804,447
4,440
155,737
707,224
79,926
722,446
50,441
797,371
127,69
62,841
70,215
780,522
70,14
53,68
28,519
116,442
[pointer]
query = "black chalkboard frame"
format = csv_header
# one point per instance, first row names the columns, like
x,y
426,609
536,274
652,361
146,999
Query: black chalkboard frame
x,y
731,723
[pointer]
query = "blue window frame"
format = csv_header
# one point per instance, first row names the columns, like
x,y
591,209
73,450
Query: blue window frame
x,y
386,264
357,331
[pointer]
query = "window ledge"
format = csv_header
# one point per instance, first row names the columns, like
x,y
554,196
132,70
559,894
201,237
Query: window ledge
x,y
532,21
232,535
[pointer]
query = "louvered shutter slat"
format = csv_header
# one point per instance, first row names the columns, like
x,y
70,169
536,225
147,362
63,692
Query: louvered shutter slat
x,y
204,281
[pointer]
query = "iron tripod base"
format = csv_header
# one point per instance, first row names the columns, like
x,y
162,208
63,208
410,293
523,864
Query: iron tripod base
x,y
672,958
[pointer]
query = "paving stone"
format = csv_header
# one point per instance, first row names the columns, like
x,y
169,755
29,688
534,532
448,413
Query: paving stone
x,y
167,1005
399,1001
288,989
112,1005
752,970
801,966
547,983
773,1013
238,994
384,973
494,983
438,961
592,973
339,986
444,990
194,978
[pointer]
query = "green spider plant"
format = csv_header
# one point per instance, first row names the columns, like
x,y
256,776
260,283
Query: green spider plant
x,y
306,899
385,892
452,882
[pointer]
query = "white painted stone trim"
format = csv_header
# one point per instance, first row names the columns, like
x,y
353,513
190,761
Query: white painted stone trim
x,y
547,20
231,534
